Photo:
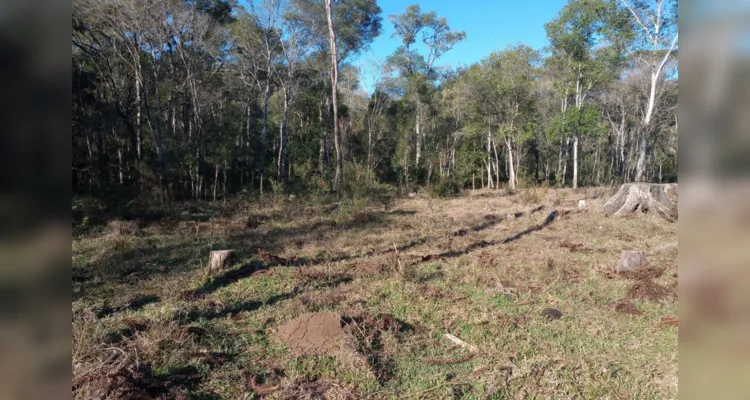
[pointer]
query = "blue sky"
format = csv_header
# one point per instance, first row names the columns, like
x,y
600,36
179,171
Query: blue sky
x,y
489,25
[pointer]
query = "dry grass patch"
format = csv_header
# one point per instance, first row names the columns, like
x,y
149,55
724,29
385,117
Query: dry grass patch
x,y
401,279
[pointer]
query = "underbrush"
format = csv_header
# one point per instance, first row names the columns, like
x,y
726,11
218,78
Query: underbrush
x,y
446,188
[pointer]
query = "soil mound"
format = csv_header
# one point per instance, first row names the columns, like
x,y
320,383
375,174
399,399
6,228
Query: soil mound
x,y
315,333
646,289
627,307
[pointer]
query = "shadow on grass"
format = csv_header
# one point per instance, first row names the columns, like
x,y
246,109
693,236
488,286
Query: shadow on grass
x,y
227,278
130,265
483,243
252,305
135,304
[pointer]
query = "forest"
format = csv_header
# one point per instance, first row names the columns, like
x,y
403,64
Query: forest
x,y
209,99
262,209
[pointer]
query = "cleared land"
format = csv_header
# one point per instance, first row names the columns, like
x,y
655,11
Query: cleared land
x,y
489,268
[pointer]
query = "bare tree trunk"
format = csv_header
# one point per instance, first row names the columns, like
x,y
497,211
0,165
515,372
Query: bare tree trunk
x,y
264,128
558,173
441,167
575,161
171,112
119,164
334,99
656,71
282,161
216,180
518,163
369,153
596,165
660,176
489,158
138,115
324,157
497,165
418,132
579,105
511,169
565,162
406,166
200,186
641,163
159,118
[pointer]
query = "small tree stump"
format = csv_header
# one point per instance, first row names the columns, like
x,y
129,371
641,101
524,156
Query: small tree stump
x,y
631,260
660,199
219,260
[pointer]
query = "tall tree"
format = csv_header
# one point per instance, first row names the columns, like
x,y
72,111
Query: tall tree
x,y
334,90
657,24
417,69
343,27
295,46
590,36
512,76
267,19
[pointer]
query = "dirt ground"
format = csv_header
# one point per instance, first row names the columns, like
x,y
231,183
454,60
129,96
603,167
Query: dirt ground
x,y
486,267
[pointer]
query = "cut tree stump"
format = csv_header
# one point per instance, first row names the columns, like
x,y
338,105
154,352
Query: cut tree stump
x,y
219,260
631,260
660,199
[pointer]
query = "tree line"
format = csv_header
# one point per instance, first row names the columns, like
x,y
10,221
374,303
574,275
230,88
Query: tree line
x,y
204,99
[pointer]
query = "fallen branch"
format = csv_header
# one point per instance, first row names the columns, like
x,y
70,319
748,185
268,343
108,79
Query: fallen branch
x,y
470,347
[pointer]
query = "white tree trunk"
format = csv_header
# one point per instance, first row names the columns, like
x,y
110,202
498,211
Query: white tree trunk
x,y
565,162
418,133
138,116
575,161
334,99
282,160
489,158
511,169
497,165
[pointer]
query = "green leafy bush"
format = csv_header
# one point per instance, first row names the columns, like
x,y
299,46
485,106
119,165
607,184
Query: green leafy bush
x,y
445,188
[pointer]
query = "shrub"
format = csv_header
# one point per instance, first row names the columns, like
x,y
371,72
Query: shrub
x,y
375,193
445,188
533,195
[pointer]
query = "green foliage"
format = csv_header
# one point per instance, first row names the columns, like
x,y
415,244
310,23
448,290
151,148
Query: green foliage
x,y
375,193
199,101
446,188
435,33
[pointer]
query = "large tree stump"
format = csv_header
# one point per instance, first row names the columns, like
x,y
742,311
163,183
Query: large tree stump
x,y
219,260
660,199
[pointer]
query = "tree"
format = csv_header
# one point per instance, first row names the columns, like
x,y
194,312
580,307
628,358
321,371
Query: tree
x,y
350,26
267,20
589,35
512,76
334,90
657,25
417,69
295,45
175,100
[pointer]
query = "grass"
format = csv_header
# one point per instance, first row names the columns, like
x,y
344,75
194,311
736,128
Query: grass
x,y
432,264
